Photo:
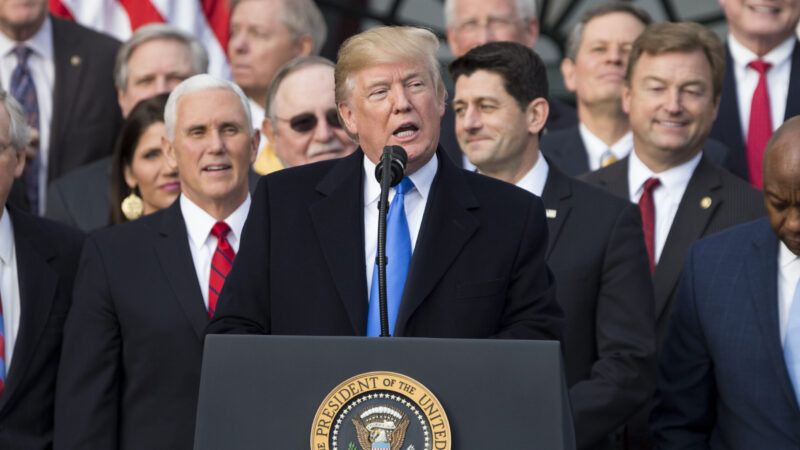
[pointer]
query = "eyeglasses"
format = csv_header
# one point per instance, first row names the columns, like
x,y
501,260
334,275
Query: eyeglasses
x,y
305,122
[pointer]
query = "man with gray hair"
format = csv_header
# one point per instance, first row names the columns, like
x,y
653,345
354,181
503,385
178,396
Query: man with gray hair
x,y
302,123
38,259
153,61
145,291
266,34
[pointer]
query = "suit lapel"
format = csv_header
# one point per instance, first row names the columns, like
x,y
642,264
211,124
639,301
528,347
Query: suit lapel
x,y
37,289
762,267
446,226
555,196
172,248
571,153
614,178
67,60
342,239
793,97
691,220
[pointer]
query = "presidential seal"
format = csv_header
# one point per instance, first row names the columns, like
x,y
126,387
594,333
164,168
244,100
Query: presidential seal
x,y
380,411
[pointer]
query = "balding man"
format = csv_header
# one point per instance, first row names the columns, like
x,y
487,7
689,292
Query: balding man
x,y
730,368
302,124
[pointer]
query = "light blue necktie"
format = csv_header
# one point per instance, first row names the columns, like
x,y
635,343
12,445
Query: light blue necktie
x,y
791,346
398,256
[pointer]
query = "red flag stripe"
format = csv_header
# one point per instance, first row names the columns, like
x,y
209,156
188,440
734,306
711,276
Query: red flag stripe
x,y
58,9
141,12
216,12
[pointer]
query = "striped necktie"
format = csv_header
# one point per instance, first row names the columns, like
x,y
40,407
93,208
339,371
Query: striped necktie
x,y
24,91
398,257
221,264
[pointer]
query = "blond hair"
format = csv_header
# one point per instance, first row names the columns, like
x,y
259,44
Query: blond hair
x,y
386,45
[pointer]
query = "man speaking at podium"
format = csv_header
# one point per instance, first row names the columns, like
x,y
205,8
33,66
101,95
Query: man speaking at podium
x,y
466,253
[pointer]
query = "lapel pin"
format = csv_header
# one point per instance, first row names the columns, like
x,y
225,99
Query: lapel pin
x,y
550,213
75,60
705,202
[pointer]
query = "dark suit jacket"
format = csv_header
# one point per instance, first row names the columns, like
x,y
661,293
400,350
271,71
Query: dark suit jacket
x,y
723,378
728,127
599,261
47,257
86,115
565,148
130,369
478,267
82,198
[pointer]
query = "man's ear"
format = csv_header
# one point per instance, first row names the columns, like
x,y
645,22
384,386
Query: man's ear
x,y
568,74
626,99
169,152
254,143
536,115
348,117
21,159
305,45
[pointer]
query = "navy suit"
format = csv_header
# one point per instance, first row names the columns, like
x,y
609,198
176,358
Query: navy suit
x,y
478,268
47,257
723,379
728,127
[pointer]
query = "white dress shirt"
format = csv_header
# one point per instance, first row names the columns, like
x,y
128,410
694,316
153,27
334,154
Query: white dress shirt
x,y
9,285
415,201
43,71
202,244
535,179
788,275
667,196
595,147
747,79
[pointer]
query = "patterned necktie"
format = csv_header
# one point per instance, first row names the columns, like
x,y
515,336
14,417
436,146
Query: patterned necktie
x,y
221,264
2,351
607,158
760,128
791,346
24,91
647,209
398,257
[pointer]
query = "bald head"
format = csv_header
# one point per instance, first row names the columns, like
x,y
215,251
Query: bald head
x,y
782,183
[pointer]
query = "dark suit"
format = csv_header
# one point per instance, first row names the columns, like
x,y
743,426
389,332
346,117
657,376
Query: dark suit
x,y
599,261
566,149
47,257
722,376
82,198
86,115
732,202
478,267
130,369
728,127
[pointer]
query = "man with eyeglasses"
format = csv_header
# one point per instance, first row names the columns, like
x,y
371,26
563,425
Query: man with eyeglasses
x,y
301,120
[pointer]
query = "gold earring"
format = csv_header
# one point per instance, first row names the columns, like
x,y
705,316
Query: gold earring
x,y
132,206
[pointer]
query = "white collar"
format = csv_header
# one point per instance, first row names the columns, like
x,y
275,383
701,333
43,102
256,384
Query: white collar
x,y
422,179
786,257
41,43
6,238
672,178
535,179
199,222
621,148
742,56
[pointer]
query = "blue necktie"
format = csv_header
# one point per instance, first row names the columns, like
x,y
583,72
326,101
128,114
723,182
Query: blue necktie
x,y
24,91
2,351
398,255
791,346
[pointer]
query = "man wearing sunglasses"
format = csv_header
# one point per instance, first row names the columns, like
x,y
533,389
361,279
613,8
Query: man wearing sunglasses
x,y
301,122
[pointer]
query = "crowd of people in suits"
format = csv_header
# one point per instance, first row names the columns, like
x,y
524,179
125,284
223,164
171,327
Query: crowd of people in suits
x,y
654,229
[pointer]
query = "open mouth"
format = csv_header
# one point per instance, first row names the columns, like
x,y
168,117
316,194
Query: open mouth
x,y
406,131
764,9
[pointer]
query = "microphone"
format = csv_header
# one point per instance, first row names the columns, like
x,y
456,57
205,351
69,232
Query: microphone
x,y
389,172
394,159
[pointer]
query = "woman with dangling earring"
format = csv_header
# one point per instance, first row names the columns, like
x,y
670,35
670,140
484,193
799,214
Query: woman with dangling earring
x,y
142,181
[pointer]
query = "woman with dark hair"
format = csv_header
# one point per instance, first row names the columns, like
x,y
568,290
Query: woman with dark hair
x,y
142,182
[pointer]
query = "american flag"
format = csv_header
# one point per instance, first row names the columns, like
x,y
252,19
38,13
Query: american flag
x,y
206,20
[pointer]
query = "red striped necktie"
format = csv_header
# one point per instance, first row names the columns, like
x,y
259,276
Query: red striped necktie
x,y
221,264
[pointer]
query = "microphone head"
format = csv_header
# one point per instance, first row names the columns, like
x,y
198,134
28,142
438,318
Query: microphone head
x,y
395,157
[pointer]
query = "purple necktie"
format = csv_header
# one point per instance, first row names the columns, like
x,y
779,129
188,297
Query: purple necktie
x,y
23,89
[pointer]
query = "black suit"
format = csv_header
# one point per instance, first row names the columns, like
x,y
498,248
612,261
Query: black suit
x,y
47,256
732,202
86,115
728,127
478,267
130,370
599,261
566,149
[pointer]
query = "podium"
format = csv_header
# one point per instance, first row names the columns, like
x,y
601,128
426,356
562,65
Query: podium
x,y
325,393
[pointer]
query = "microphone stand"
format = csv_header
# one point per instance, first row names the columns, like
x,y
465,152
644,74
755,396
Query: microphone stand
x,y
380,259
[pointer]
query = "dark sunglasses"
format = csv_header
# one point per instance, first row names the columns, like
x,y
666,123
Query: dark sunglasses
x,y
305,122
